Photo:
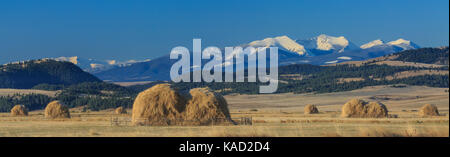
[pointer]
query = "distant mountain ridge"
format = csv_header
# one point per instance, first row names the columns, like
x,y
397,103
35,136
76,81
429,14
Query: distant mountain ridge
x,y
320,50
401,43
326,43
27,74
283,42
95,66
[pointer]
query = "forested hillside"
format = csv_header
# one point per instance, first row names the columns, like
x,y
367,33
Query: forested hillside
x,y
25,75
302,78
425,55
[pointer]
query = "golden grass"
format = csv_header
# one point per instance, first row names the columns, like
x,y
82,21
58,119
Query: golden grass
x,y
276,115
411,131
10,92
97,124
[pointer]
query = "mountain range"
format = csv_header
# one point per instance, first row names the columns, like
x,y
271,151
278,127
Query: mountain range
x,y
320,50
51,74
95,66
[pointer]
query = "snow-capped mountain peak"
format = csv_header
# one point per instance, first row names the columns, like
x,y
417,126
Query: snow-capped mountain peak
x,y
404,44
96,66
93,65
399,41
326,43
372,44
283,42
73,59
111,62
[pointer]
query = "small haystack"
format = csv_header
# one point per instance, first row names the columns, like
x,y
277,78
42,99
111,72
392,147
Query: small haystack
x,y
120,110
158,105
428,110
311,109
56,109
19,110
362,109
206,107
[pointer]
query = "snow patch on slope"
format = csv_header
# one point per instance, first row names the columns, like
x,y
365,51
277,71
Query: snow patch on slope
x,y
73,59
331,62
372,44
345,58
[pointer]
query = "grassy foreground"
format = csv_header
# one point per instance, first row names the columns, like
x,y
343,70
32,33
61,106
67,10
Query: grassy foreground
x,y
274,115
98,124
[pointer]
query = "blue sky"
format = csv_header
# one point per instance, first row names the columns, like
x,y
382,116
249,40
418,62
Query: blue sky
x,y
118,29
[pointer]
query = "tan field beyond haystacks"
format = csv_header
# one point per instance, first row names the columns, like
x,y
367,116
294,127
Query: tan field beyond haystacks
x,y
206,107
56,109
362,109
311,109
162,105
120,110
428,110
19,110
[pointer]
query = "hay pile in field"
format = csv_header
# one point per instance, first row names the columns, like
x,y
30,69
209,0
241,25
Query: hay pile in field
x,y
56,109
162,105
158,105
362,109
19,110
120,110
206,107
311,109
428,110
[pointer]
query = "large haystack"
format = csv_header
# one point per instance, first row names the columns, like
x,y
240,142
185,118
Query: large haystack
x,y
158,105
376,110
428,110
162,105
120,110
311,109
19,110
206,107
56,109
362,109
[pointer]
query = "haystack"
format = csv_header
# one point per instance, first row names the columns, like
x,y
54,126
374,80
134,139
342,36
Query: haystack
x,y
428,110
311,109
162,105
158,105
120,110
56,109
206,107
19,110
362,109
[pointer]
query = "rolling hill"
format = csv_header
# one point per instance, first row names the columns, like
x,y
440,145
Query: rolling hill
x,y
27,74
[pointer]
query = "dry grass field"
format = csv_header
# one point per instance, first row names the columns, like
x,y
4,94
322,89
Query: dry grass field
x,y
10,92
274,115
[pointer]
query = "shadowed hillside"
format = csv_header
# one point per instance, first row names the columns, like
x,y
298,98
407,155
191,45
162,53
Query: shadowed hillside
x,y
25,75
